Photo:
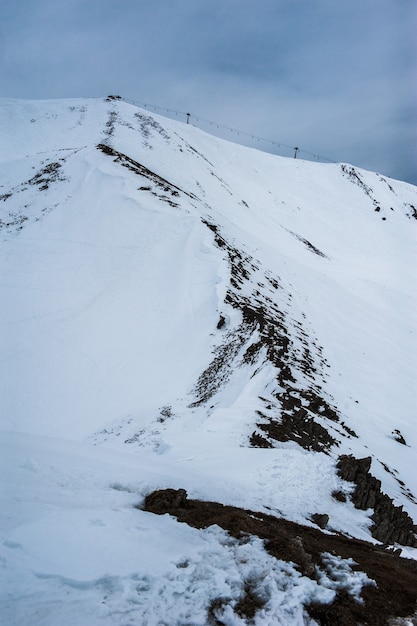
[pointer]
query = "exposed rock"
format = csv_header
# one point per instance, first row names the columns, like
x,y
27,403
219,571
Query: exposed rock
x,y
165,500
349,467
398,437
321,519
391,523
257,441
340,496
301,412
300,427
221,322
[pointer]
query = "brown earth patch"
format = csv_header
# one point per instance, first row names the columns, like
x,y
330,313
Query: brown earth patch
x,y
395,593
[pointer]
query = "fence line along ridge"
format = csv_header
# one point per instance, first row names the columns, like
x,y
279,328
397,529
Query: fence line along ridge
x,y
189,118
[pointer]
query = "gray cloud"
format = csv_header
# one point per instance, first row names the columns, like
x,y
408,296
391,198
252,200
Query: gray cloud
x,y
335,78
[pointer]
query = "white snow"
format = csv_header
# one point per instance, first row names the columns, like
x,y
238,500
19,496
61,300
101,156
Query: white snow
x,y
111,295
75,548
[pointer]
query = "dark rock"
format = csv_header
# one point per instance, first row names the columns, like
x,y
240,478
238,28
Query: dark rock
x,y
221,322
339,496
349,467
321,519
164,500
257,441
300,427
398,437
390,523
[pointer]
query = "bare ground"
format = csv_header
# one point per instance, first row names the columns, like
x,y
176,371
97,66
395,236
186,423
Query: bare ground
x,y
395,593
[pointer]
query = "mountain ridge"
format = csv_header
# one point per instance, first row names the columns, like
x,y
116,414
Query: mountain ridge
x,y
209,301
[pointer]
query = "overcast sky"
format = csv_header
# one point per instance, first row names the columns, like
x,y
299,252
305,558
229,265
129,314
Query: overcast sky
x,y
334,77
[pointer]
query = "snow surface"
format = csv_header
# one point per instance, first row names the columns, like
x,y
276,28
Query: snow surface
x,y
75,549
111,290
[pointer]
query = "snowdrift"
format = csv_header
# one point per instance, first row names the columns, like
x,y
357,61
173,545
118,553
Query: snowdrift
x,y
180,312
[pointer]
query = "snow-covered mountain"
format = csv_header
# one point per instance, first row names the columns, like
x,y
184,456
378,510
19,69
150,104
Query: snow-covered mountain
x,y
183,313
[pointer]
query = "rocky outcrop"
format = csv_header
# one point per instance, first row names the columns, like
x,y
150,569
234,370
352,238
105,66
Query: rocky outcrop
x,y
164,500
321,519
390,523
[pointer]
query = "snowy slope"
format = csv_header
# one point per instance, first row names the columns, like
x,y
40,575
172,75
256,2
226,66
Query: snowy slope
x,y
179,311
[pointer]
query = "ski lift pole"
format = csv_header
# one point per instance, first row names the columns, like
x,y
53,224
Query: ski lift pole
x,y
188,117
295,153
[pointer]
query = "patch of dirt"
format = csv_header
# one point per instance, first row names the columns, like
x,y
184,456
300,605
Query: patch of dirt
x,y
395,593
250,602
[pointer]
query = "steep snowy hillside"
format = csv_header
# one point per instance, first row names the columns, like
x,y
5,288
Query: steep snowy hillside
x,y
183,313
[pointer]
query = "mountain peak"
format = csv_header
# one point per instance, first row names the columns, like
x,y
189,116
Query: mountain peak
x,y
199,316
